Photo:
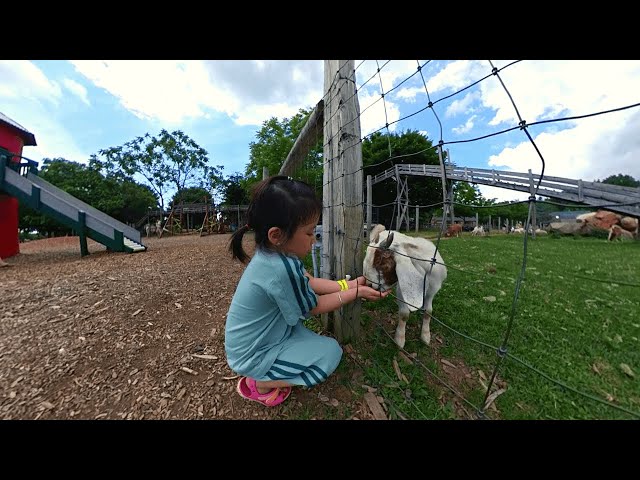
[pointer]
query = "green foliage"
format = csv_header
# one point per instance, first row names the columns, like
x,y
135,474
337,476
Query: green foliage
x,y
232,191
274,142
575,321
622,180
410,147
191,195
170,161
135,200
468,194
118,197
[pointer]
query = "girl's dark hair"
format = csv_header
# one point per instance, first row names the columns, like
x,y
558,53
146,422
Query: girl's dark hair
x,y
277,201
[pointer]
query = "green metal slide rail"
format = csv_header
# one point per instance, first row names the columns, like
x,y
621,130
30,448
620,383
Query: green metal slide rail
x,y
33,200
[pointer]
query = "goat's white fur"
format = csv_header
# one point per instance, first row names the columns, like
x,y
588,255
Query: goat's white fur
x,y
411,276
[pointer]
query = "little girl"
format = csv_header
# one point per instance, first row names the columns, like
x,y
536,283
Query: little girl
x,y
265,339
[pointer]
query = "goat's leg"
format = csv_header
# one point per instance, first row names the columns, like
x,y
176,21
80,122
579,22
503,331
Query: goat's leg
x,y
425,334
403,315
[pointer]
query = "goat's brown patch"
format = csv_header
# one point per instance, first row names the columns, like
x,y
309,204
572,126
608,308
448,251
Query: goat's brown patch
x,y
384,263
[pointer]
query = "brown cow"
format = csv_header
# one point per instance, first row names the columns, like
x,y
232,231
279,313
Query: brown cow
x,y
454,229
617,225
602,219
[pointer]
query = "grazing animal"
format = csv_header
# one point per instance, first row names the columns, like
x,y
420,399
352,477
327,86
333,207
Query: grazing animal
x,y
454,229
617,232
394,258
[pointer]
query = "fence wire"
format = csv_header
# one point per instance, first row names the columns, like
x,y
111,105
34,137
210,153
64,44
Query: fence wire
x,y
502,350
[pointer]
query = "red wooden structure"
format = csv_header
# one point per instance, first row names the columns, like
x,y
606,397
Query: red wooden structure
x,y
13,137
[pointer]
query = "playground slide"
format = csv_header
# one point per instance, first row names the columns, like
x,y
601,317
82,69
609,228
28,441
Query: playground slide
x,y
46,198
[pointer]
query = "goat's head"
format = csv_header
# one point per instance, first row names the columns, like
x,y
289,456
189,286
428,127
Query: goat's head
x,y
388,262
379,266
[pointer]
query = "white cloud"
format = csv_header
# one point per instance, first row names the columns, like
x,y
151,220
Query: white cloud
x,y
249,92
464,105
456,75
77,89
467,126
53,139
594,148
391,72
25,95
587,148
502,194
375,113
544,89
409,94
21,79
166,90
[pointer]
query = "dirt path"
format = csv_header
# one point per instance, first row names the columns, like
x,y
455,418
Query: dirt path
x,y
132,336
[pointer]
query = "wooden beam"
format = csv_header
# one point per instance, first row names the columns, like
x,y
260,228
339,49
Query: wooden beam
x,y
305,141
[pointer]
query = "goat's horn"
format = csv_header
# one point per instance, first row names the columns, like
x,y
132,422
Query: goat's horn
x,y
387,243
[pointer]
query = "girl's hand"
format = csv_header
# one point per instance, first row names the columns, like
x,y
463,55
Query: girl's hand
x,y
368,293
357,282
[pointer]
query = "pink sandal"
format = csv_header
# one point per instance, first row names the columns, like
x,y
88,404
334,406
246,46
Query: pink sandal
x,y
247,389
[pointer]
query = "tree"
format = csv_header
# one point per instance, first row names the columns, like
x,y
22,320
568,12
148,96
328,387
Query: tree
x,y
466,194
135,200
233,192
274,142
119,198
381,151
622,180
171,161
191,195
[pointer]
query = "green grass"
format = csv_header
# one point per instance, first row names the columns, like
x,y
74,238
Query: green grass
x,y
576,320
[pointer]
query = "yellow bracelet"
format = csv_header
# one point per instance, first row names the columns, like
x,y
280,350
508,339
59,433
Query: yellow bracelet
x,y
343,285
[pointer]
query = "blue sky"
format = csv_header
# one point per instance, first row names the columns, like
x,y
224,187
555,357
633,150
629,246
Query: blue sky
x,y
75,108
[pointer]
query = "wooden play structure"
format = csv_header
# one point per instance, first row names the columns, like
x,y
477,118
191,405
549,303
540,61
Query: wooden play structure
x,y
20,181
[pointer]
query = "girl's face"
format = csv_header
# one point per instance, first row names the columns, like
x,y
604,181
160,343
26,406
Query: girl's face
x,y
301,243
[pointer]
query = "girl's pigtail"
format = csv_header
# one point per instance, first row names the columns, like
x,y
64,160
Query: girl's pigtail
x,y
235,244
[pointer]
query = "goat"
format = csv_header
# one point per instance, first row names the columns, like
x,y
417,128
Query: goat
x,y
478,230
394,258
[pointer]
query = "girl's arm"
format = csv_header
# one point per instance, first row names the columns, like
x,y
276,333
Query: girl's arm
x,y
333,301
323,286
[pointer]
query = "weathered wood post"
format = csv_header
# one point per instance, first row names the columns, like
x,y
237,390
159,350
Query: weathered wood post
x,y
342,216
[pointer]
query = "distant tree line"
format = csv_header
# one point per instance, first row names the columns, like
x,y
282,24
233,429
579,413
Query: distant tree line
x,y
163,170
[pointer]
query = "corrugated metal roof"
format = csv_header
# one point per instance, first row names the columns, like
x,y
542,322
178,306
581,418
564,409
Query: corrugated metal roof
x,y
28,137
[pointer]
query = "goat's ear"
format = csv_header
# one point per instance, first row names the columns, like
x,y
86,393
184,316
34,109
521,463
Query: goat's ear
x,y
387,243
411,283
374,234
